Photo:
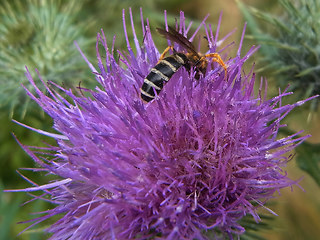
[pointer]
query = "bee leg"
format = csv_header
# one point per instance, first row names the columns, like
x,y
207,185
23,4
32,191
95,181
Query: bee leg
x,y
165,52
216,58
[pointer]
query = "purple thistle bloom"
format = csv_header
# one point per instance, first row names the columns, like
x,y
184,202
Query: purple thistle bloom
x,y
198,158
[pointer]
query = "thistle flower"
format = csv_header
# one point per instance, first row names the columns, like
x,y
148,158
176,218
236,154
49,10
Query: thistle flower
x,y
290,44
38,34
188,165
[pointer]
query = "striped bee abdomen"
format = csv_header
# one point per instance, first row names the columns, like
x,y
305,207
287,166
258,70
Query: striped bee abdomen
x,y
160,74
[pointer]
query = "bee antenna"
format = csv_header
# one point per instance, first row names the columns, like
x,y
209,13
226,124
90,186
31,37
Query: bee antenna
x,y
176,22
206,38
144,36
80,88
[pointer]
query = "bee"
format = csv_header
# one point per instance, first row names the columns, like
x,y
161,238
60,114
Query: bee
x,y
167,66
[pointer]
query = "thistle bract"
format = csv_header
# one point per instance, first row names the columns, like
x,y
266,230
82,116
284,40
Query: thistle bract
x,y
198,158
290,47
38,33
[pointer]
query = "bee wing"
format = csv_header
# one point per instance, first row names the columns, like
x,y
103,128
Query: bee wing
x,y
177,37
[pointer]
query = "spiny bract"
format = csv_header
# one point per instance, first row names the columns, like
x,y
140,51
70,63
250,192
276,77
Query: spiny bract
x,y
290,46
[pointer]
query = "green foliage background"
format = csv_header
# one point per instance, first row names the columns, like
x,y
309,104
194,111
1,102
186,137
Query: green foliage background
x,y
40,34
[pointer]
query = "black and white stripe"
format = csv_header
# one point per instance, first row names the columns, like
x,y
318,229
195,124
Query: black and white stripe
x,y
160,74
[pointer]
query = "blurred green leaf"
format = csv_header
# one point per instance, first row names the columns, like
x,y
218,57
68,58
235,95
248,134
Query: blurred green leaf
x,y
9,208
308,159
